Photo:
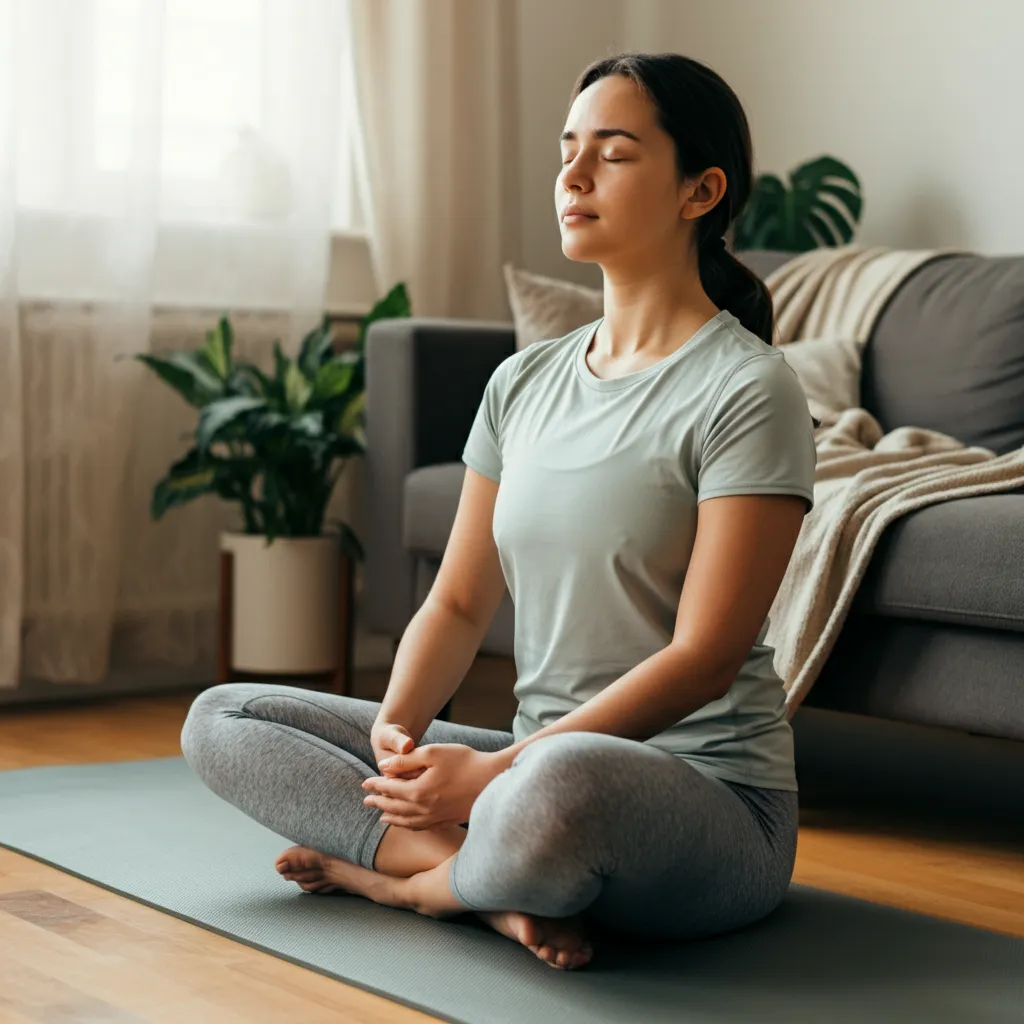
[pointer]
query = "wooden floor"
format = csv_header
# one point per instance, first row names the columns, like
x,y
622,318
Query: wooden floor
x,y
73,951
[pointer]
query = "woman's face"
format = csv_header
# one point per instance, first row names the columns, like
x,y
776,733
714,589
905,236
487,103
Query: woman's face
x,y
619,166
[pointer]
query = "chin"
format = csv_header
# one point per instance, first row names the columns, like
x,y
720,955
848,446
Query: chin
x,y
572,249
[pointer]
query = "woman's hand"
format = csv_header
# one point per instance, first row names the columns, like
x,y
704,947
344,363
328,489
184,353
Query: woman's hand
x,y
389,738
435,785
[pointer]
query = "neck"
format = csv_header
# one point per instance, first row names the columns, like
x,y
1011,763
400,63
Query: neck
x,y
648,310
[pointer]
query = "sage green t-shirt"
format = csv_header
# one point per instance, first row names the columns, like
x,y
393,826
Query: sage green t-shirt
x,y
596,513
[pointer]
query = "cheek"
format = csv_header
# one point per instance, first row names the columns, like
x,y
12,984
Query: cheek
x,y
638,204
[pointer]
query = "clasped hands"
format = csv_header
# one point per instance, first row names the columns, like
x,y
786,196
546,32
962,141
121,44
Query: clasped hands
x,y
431,786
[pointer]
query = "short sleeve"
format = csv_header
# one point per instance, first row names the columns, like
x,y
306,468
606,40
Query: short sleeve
x,y
759,437
482,450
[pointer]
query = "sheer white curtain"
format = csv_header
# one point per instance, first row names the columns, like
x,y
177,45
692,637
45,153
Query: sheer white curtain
x,y
437,82
161,162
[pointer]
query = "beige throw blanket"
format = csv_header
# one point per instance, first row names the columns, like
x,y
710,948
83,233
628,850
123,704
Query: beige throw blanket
x,y
827,301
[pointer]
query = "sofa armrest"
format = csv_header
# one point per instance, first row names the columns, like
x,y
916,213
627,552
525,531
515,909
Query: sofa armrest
x,y
425,378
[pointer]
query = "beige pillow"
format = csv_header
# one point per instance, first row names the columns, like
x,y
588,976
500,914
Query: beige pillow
x,y
544,308
829,373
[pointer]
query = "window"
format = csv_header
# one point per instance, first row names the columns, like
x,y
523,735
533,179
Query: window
x,y
221,106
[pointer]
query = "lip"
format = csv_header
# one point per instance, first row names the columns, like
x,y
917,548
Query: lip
x,y
573,214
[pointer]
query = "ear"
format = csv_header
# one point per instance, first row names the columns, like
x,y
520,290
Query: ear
x,y
703,193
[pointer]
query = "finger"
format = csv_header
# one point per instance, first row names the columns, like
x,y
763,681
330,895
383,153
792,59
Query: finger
x,y
400,763
390,805
391,801
386,786
379,782
406,776
399,740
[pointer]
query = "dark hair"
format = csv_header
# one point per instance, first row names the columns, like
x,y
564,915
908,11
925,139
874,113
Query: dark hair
x,y
709,128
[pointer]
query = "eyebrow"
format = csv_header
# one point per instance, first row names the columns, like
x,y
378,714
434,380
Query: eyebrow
x,y
600,133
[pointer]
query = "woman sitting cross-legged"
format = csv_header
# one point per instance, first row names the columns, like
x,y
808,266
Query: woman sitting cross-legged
x,y
638,486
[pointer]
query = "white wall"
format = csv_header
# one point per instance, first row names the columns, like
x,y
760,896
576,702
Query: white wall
x,y
921,97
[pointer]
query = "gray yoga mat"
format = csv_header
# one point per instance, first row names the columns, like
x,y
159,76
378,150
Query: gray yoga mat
x,y
150,830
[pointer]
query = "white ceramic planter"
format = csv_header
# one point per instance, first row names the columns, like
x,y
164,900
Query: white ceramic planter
x,y
284,603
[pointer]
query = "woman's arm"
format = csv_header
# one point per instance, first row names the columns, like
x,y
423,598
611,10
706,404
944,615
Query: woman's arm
x,y
740,554
433,657
443,637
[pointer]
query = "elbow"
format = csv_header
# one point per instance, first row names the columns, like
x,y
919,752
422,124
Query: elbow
x,y
709,671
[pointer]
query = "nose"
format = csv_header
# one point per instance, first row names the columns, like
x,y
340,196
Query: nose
x,y
574,179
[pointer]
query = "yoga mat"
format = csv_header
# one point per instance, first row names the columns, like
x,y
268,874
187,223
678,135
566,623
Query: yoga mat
x,y
150,830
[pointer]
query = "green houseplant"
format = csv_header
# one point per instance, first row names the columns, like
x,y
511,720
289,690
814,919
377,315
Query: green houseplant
x,y
275,442
821,207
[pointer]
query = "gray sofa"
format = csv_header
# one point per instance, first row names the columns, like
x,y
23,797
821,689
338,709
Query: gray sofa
x,y
936,636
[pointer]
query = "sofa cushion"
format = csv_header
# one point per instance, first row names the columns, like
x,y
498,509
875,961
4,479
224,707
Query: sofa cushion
x,y
929,673
957,561
947,352
429,504
545,307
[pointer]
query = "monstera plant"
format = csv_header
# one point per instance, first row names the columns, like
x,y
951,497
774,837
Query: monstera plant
x,y
274,442
820,207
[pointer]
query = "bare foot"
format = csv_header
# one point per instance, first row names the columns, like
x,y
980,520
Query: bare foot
x,y
558,941
305,866
320,873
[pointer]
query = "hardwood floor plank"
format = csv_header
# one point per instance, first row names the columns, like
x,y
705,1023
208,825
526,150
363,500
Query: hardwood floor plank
x,y
68,974
47,910
34,995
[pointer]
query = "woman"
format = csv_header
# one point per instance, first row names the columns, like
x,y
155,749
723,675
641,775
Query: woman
x,y
655,469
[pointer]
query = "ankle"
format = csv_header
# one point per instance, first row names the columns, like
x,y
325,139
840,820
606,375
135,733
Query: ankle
x,y
429,892
404,852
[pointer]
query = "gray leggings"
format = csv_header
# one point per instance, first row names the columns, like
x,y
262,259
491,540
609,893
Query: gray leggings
x,y
636,838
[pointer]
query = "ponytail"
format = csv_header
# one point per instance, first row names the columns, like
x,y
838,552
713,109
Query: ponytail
x,y
733,286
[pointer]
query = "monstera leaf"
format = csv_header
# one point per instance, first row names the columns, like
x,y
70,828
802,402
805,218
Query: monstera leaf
x,y
821,208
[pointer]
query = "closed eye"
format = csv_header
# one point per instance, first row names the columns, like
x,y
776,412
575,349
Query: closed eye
x,y
607,159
